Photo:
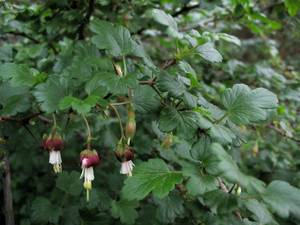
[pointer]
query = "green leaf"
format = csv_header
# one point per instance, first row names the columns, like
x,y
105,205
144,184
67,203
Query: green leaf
x,y
169,83
293,6
49,94
201,147
245,105
119,85
283,198
190,100
221,134
165,19
262,214
221,202
80,106
13,99
6,53
230,38
20,75
190,73
184,122
116,39
169,208
125,210
151,176
95,86
43,211
209,53
69,183
198,185
220,163
145,99
71,216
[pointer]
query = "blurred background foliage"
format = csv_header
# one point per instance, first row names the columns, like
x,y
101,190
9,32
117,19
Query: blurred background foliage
x,y
52,49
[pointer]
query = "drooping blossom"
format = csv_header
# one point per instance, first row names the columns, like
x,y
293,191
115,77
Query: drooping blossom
x,y
88,159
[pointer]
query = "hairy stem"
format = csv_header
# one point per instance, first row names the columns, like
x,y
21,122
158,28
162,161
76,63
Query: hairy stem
x,y
89,135
119,118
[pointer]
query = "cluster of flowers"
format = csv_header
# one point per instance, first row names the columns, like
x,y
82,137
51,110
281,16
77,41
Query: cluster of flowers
x,y
89,158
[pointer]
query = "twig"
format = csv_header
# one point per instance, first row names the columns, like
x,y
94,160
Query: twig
x,y
23,120
225,189
7,192
168,63
185,9
16,33
147,82
44,119
120,103
282,133
86,19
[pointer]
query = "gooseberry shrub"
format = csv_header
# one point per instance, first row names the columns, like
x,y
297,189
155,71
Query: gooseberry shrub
x,y
171,112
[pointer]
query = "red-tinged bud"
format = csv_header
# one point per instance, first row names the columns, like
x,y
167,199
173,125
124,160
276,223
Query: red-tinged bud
x,y
123,152
168,141
130,128
131,124
53,143
128,154
89,158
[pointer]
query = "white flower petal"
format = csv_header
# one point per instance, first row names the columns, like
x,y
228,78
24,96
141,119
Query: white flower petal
x,y
55,157
88,174
127,167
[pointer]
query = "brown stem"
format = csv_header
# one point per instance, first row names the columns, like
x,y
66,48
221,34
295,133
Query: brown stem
x,y
185,9
225,189
8,199
283,133
168,63
16,33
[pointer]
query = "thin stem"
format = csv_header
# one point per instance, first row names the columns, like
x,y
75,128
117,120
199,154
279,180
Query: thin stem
x,y
89,137
120,103
119,118
54,120
125,66
87,195
53,130
158,92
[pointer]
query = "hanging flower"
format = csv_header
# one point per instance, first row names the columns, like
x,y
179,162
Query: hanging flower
x,y
88,159
54,144
125,156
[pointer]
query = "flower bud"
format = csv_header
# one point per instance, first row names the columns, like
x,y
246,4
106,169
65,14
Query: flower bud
x,y
89,158
255,149
53,143
130,125
168,141
239,190
130,128
118,70
128,154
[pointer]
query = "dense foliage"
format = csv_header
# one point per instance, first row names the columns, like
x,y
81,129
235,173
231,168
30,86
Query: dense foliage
x,y
204,94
